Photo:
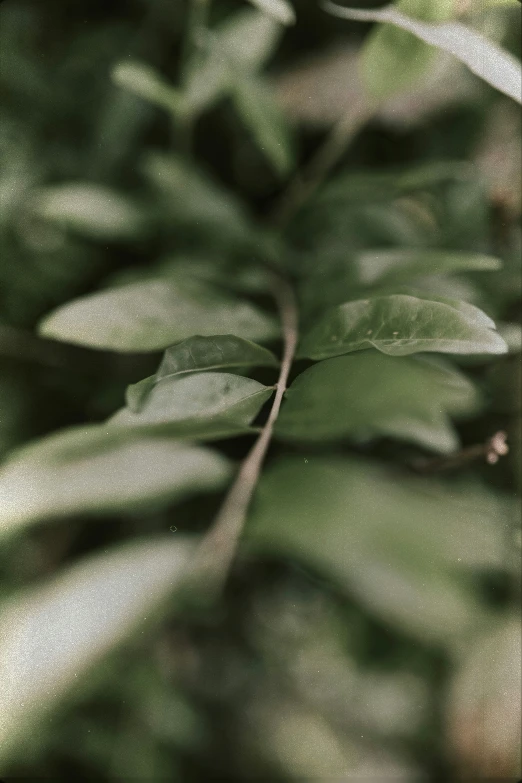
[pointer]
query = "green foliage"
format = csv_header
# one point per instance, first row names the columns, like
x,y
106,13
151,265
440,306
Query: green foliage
x,y
143,158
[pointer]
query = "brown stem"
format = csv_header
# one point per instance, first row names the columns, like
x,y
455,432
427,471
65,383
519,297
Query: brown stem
x,y
218,547
494,448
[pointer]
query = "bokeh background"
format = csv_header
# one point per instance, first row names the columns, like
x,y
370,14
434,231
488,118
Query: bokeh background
x,y
290,677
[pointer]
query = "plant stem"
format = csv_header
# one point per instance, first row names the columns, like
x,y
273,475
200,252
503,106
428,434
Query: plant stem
x,y
307,181
217,550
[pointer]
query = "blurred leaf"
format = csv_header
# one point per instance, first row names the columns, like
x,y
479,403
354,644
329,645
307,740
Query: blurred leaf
x,y
152,315
403,264
369,394
400,325
213,353
484,709
398,545
93,210
260,112
87,470
393,59
148,83
52,634
239,46
279,9
193,405
483,57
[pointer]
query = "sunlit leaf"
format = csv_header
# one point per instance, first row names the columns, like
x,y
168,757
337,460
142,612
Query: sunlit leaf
x,y
194,406
483,57
279,9
93,210
400,325
403,547
213,353
152,315
402,265
148,83
52,634
369,394
87,470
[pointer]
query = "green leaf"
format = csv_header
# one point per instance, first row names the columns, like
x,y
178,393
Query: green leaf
x,y
402,547
152,315
53,634
260,112
483,57
402,265
279,9
400,325
90,470
369,394
393,59
213,353
195,406
93,210
148,83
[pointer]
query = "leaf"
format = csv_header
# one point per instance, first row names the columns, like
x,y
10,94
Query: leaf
x,y
393,59
369,394
260,112
213,353
279,9
483,57
54,633
195,406
88,470
152,315
400,325
93,210
241,44
402,265
148,83
401,546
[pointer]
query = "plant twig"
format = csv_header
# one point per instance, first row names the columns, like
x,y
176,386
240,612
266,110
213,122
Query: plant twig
x,y
335,144
217,550
494,448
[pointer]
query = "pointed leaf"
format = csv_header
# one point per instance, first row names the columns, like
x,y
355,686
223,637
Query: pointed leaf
x,y
400,325
152,315
196,406
213,353
483,57
369,394
144,80
402,265
54,633
87,470
279,9
400,546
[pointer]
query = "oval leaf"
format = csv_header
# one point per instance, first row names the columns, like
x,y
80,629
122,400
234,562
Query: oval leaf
x,y
483,57
87,470
403,265
279,9
150,316
54,633
213,353
400,325
369,394
148,83
197,406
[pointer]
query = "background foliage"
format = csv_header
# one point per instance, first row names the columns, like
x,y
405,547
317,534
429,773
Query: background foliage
x,y
156,158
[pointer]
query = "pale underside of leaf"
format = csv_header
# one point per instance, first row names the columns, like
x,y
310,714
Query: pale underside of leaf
x,y
152,315
369,394
91,470
281,10
483,57
402,265
52,634
400,325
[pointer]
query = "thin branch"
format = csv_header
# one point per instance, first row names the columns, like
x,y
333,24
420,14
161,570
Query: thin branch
x,y
494,448
217,550
334,146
